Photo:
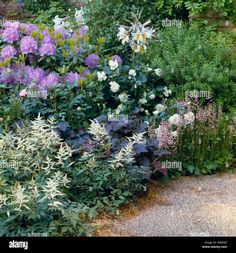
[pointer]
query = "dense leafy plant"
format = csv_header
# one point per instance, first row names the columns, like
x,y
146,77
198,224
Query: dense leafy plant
x,y
221,8
34,194
192,59
39,5
55,8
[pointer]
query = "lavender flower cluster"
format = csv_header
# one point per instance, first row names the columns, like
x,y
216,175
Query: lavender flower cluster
x,y
31,43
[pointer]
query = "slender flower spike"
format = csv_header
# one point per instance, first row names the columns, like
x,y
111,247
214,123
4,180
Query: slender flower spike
x,y
98,131
189,118
19,197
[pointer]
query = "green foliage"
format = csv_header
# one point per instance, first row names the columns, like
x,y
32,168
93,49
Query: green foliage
x,y
46,16
225,8
11,108
44,5
193,59
68,103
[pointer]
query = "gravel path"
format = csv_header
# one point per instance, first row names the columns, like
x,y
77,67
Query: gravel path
x,y
188,206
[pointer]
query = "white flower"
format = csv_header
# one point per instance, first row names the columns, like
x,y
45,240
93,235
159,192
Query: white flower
x,y
189,118
98,131
158,71
149,69
132,72
167,92
152,96
123,35
174,134
23,93
159,108
114,86
123,97
3,200
143,101
51,189
101,76
60,23
136,48
127,153
79,16
138,37
20,198
174,119
147,32
78,108
119,109
113,64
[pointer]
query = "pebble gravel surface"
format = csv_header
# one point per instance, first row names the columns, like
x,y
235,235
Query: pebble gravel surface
x,y
188,206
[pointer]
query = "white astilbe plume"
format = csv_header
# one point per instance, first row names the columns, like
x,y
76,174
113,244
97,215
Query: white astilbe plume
x,y
98,131
127,153
34,148
3,200
19,197
51,189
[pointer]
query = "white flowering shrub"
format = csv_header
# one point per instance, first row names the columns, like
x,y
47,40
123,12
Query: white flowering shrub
x,y
34,183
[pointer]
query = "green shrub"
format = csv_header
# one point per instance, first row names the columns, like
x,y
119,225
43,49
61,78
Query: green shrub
x,y
192,59
43,5
11,108
46,16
